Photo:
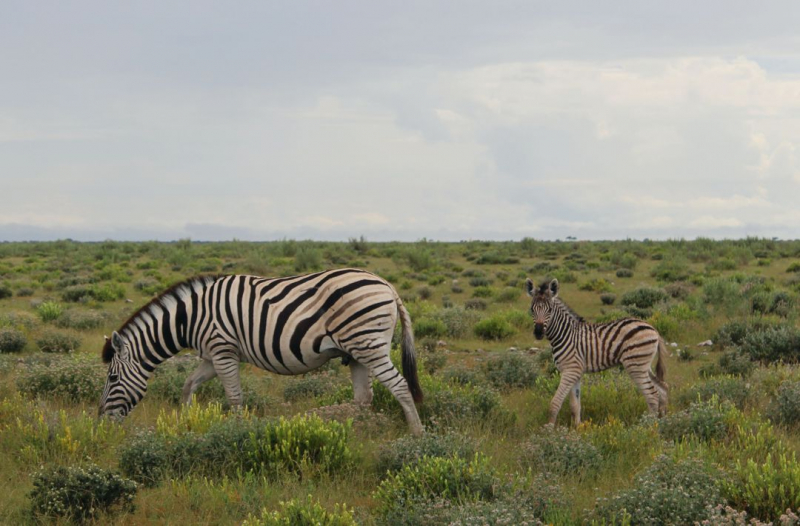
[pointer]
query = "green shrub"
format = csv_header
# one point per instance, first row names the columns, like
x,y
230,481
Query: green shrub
x,y
79,493
668,492
405,451
80,319
494,328
596,285
785,408
458,405
624,273
460,375
429,328
511,370
671,269
433,361
12,340
303,513
608,395
765,488
704,420
148,286
780,343
722,292
519,500
794,267
71,378
77,293
108,292
145,458
458,321
49,311
454,479
480,281
508,295
483,292
5,292
308,386
561,451
54,341
608,298
724,388
678,290
475,304
643,298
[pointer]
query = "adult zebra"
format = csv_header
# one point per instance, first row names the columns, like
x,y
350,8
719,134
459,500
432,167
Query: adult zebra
x,y
285,325
579,347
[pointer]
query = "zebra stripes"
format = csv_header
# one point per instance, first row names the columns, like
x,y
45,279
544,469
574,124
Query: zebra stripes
x,y
579,347
286,325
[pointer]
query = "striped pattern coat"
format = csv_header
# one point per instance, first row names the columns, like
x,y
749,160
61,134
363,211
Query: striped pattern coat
x,y
579,347
288,326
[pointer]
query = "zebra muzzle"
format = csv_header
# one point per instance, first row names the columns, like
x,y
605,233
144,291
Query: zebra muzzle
x,y
538,331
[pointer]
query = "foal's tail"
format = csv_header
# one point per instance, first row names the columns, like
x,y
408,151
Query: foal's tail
x,y
661,366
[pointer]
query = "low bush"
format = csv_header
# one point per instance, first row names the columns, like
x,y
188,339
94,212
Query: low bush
x,y
460,375
643,298
732,362
596,285
706,421
49,311
308,386
608,395
304,445
624,273
608,298
494,327
71,378
765,487
678,290
79,494
80,319
785,407
303,513
453,479
668,492
12,340
671,269
561,451
511,370
408,450
780,343
429,328
475,304
5,292
55,341
728,388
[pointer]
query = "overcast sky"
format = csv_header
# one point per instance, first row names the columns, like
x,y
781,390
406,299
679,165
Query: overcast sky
x,y
399,120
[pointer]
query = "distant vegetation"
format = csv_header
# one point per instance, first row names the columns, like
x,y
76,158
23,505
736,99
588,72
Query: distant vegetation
x,y
727,448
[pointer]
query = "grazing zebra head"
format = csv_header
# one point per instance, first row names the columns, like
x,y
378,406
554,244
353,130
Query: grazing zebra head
x,y
542,304
126,382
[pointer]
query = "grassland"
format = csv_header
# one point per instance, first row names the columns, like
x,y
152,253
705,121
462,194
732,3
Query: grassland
x,y
730,437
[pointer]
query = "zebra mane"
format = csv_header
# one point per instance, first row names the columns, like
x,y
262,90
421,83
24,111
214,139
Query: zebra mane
x,y
577,317
163,300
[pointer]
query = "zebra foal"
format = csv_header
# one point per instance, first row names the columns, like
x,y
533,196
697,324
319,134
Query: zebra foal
x,y
287,326
580,347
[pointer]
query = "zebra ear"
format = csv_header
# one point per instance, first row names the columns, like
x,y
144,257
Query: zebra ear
x,y
118,345
554,287
529,287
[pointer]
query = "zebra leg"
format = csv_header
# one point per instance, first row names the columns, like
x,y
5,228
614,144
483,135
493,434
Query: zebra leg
x,y
640,374
569,378
226,364
663,394
204,372
380,365
362,383
575,403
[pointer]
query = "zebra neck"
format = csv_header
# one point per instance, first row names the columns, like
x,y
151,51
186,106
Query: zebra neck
x,y
562,326
156,335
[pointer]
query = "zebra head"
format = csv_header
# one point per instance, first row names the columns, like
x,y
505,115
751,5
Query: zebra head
x,y
126,382
541,304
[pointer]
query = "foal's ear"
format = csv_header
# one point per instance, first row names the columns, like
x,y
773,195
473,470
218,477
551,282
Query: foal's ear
x,y
554,287
529,287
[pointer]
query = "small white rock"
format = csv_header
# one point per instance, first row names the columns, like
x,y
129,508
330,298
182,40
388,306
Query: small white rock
x,y
673,344
512,349
707,343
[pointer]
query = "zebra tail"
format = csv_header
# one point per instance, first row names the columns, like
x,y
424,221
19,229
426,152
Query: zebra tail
x,y
661,366
409,354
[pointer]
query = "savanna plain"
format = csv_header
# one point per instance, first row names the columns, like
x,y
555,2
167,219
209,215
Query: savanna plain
x,y
303,453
